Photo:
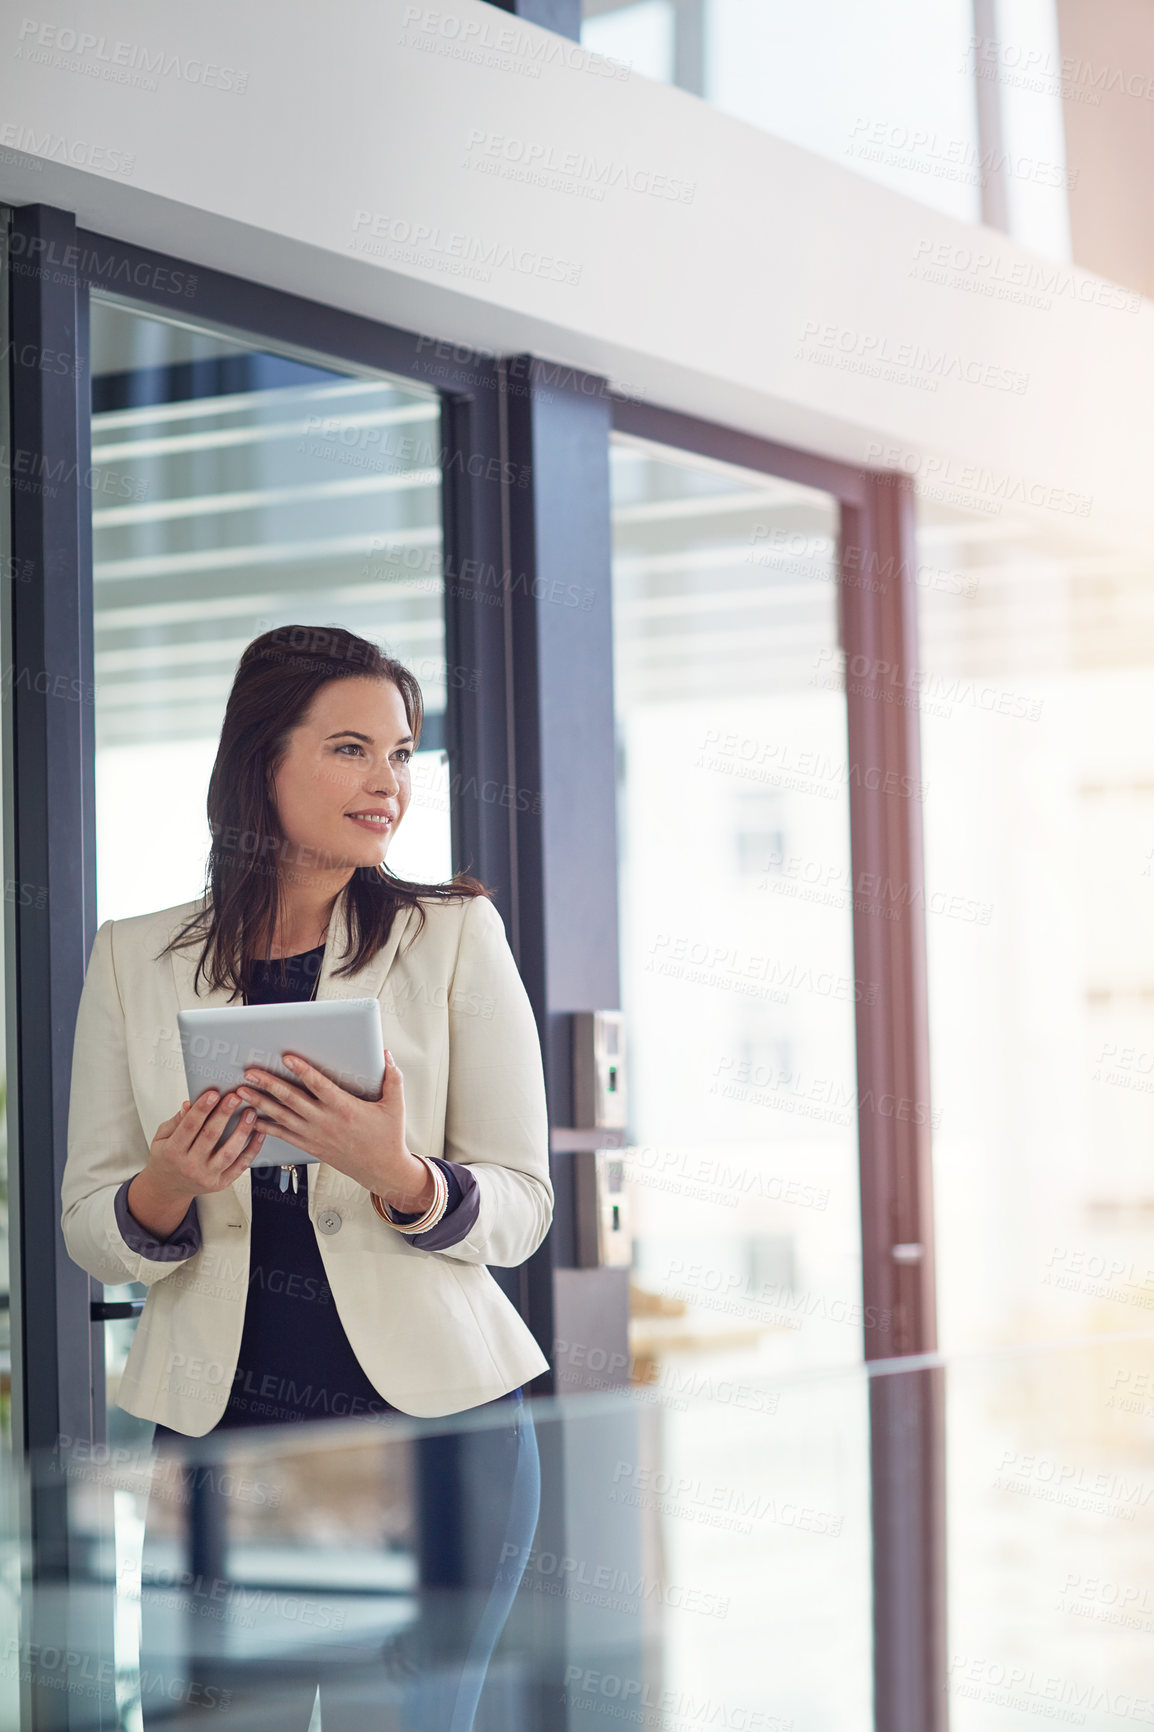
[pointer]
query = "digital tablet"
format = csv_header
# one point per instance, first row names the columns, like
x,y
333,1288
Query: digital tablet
x,y
341,1036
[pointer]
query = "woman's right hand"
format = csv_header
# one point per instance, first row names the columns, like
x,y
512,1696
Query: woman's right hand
x,y
181,1158
181,1162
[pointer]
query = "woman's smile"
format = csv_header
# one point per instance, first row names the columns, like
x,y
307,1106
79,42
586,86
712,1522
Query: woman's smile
x,y
379,821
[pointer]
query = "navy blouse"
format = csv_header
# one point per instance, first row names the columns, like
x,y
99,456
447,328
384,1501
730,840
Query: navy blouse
x,y
295,1361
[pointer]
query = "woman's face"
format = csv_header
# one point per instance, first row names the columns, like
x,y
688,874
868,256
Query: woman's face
x,y
343,785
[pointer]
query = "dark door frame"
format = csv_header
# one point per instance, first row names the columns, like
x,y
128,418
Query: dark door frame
x,y
49,837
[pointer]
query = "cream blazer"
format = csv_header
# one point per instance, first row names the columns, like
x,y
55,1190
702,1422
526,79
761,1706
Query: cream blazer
x,y
432,1329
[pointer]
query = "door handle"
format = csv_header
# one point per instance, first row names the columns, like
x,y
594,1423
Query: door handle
x,y
109,1310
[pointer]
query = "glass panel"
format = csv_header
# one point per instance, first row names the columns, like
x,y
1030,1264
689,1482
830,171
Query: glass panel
x,y
736,943
688,1560
1038,758
1037,692
888,91
1051,1593
239,489
662,1583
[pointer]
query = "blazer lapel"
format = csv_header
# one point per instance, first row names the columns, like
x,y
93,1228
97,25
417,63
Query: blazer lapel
x,y
366,982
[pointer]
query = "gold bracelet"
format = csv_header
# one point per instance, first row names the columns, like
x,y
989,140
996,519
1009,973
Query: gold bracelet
x,y
431,1215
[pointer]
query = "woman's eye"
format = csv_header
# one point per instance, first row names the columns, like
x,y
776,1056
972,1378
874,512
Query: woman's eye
x,y
352,746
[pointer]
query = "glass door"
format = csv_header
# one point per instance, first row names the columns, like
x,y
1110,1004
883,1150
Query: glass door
x,y
738,991
237,489
736,951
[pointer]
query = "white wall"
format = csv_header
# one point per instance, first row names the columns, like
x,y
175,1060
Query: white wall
x,y
765,302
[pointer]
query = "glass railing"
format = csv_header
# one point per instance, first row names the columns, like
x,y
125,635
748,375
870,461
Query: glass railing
x,y
684,1554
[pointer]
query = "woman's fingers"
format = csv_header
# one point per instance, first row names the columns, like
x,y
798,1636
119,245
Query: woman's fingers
x,y
280,1102
280,1120
214,1126
234,1142
167,1126
391,1082
224,1164
175,1139
201,1131
315,1081
192,1142
244,1160
193,1118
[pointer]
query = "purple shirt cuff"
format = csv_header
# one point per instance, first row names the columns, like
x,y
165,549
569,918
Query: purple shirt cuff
x,y
461,1211
183,1242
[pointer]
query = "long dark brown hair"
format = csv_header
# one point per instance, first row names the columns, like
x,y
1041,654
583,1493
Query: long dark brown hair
x,y
279,675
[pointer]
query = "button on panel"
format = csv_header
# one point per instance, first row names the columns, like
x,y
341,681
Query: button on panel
x,y
328,1221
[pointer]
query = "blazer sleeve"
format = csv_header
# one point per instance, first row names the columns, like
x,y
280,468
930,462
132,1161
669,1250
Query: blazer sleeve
x,y
460,1210
106,1142
496,1120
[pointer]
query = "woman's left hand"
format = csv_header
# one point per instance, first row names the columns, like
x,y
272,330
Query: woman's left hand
x,y
365,1140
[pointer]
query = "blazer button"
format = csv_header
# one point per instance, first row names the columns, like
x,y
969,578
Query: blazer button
x,y
329,1221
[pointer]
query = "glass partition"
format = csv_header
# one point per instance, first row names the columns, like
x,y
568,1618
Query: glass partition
x,y
1049,1518
687,1560
691,1561
737,968
1038,759
1037,688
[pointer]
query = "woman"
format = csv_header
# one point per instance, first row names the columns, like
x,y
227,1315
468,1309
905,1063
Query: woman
x,y
362,1286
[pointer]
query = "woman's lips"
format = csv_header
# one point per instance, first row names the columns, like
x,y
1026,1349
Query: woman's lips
x,y
375,824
